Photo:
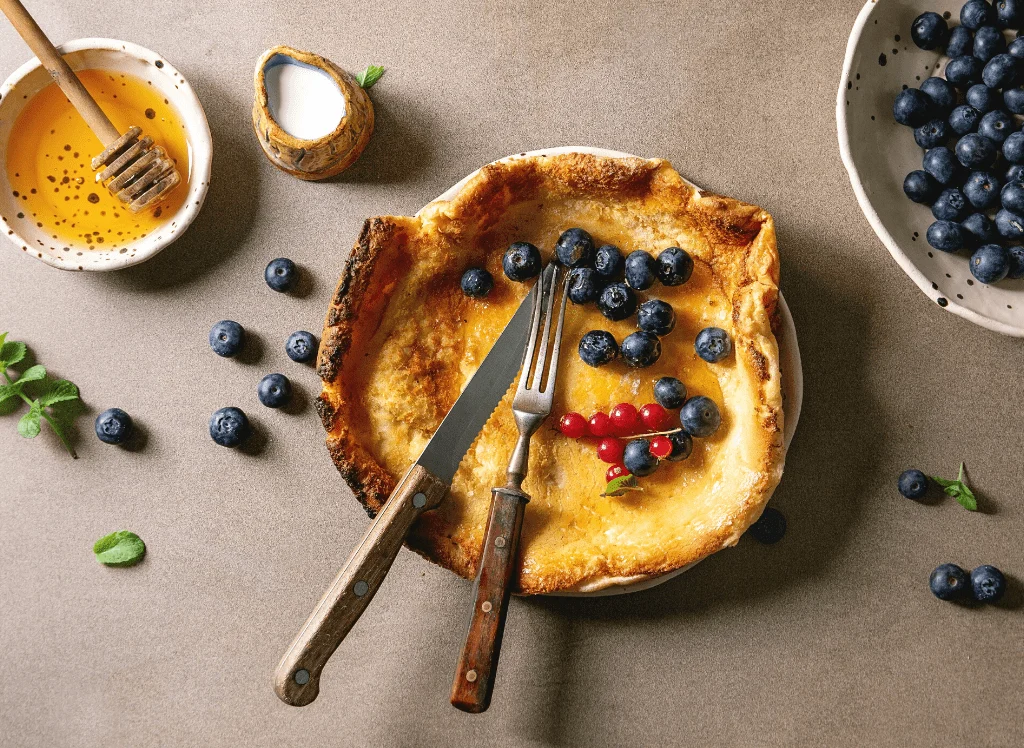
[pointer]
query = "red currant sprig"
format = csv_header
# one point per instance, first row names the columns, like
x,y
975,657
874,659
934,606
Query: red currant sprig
x,y
572,425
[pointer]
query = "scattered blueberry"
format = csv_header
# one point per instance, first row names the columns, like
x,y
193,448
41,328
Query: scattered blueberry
x,y
656,316
638,459
598,348
921,187
476,283
987,584
1001,71
700,417
961,42
951,205
932,134
929,31
982,190
1016,262
978,229
575,248
113,426
226,338
274,390
1009,225
669,393
964,119
962,72
675,266
301,346
584,285
641,270
617,301
983,98
990,263
1012,197
946,236
988,42
949,582
640,349
609,262
975,151
942,165
281,274
770,526
682,446
713,344
1009,13
229,427
1013,98
977,13
912,107
913,484
521,262
996,126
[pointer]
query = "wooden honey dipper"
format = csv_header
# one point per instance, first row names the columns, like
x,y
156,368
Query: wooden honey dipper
x,y
139,174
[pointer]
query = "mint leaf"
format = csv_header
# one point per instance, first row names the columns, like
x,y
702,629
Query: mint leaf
x,y
11,353
621,485
7,391
32,374
121,548
28,426
959,490
371,75
58,392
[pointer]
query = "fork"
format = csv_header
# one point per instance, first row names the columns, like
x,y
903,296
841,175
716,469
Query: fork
x,y
474,676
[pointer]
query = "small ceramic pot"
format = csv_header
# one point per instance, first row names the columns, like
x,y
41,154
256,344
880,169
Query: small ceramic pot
x,y
323,157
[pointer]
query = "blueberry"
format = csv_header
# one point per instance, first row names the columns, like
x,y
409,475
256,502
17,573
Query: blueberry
x,y
638,459
641,270
942,94
975,151
946,236
682,446
1015,173
963,71
641,349
949,582
226,338
1009,13
983,98
521,262
1010,225
932,134
987,584
1012,198
978,229
988,42
961,42
113,426
669,393
575,248
274,390
913,484
929,30
609,262
942,165
301,346
912,107
617,301
1013,149
964,119
699,416
229,427
675,266
584,285
1013,98
598,348
281,274
921,187
713,344
1001,71
996,126
656,316
1016,262
476,283
951,205
982,190
770,526
990,263
977,13
1016,48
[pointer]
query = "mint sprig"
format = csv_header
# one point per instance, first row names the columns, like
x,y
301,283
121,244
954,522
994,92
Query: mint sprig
x,y
621,485
371,75
121,548
48,392
959,490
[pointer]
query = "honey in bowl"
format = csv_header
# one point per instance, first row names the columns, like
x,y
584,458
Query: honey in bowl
x,y
48,167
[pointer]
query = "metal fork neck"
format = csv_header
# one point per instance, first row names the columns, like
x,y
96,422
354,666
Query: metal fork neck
x,y
519,463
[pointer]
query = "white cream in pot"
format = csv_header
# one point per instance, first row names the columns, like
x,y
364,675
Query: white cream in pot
x,y
304,101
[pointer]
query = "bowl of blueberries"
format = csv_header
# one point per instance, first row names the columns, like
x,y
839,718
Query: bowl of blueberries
x,y
929,114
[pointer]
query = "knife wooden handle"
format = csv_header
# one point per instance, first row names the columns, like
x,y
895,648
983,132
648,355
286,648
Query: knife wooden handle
x,y
474,676
297,678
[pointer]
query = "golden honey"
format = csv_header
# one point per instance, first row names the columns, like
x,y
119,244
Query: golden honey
x,y
49,154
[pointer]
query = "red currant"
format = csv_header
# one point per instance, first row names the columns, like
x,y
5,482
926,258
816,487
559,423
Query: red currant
x,y
615,471
661,447
610,449
654,416
625,419
572,425
600,425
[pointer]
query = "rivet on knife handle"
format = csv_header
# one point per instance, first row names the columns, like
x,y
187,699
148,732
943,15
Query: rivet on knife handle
x,y
297,678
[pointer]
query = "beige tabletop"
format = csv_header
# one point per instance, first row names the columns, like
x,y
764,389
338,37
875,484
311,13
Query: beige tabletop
x,y
830,638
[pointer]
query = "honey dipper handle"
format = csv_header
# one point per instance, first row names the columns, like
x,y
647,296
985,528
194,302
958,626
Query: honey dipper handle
x,y
60,71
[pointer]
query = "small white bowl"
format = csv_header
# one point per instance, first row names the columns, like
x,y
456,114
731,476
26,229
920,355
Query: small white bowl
x,y
879,153
125,57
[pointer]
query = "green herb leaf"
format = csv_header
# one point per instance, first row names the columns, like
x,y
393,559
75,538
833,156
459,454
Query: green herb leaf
x,y
121,548
371,75
621,485
959,490
7,391
11,353
59,392
33,374
28,426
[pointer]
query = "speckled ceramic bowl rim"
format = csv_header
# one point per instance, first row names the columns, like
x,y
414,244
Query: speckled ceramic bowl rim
x,y
200,142
908,265
789,363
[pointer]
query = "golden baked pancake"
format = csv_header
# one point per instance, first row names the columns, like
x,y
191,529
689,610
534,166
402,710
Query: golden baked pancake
x,y
401,340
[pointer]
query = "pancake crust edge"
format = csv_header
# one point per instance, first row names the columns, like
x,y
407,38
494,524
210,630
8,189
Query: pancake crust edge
x,y
397,320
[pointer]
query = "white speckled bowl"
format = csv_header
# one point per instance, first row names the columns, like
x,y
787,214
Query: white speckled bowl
x,y
124,57
879,153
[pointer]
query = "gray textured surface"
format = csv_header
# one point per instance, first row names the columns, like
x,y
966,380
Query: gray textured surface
x,y
829,638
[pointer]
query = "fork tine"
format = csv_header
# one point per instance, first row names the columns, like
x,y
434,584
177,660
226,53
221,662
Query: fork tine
x,y
549,386
536,313
542,352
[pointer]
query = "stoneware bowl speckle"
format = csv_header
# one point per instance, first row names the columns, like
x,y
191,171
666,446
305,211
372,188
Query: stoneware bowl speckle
x,y
878,153
124,57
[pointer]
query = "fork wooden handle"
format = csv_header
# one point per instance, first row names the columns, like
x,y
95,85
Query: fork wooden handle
x,y
474,676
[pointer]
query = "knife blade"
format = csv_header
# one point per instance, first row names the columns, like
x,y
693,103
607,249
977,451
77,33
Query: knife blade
x,y
422,488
